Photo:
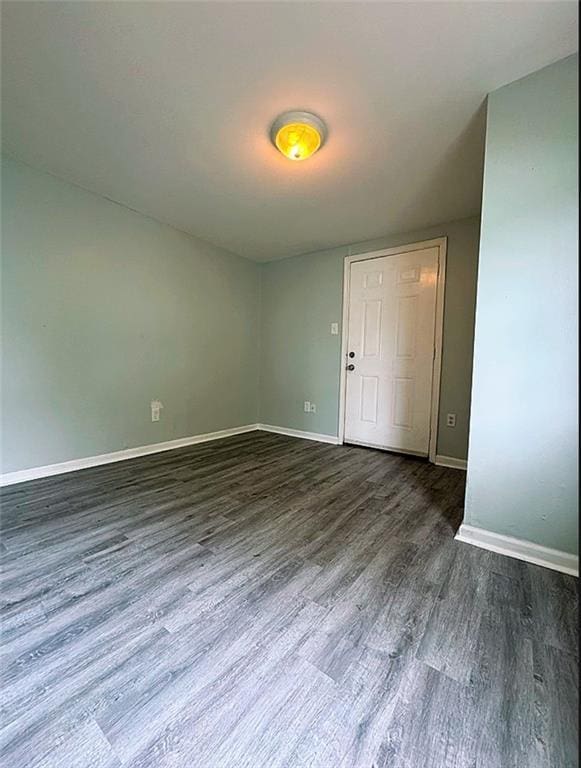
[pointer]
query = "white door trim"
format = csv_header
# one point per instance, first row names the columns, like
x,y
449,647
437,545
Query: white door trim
x,y
441,244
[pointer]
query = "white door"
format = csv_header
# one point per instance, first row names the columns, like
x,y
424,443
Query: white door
x,y
390,351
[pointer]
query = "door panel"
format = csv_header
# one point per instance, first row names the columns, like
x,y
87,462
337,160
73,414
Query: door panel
x,y
371,336
369,396
391,331
403,403
406,327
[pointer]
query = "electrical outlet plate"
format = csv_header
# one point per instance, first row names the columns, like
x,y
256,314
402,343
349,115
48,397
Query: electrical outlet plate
x,y
156,406
451,419
307,406
313,408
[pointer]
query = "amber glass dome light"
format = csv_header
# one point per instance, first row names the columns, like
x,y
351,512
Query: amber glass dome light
x,y
298,135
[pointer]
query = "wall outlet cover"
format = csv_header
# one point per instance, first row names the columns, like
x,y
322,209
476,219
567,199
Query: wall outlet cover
x,y
156,406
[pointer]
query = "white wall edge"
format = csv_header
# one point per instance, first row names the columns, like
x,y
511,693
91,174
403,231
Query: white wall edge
x,y
11,478
331,439
520,549
450,461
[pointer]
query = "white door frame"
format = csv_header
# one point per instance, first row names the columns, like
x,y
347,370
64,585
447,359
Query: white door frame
x,y
441,244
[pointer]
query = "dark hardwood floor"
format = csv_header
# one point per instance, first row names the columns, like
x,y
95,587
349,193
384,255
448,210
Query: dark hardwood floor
x,y
264,601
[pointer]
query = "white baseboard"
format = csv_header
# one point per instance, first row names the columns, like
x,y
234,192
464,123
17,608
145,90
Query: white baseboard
x,y
10,478
519,548
34,473
332,439
450,461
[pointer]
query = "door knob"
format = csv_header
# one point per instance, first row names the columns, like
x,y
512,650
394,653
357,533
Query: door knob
x,y
351,367
351,354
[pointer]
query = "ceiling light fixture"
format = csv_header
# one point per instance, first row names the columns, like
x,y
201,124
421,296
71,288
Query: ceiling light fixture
x,y
298,135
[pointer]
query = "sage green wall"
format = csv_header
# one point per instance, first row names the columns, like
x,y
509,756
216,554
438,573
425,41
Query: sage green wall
x,y
522,467
103,310
302,296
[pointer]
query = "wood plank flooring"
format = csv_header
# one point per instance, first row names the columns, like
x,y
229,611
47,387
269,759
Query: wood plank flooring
x,y
264,601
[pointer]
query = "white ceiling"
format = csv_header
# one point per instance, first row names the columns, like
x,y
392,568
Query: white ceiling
x,y
166,107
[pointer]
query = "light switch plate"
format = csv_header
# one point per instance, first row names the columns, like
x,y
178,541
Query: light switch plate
x,y
334,329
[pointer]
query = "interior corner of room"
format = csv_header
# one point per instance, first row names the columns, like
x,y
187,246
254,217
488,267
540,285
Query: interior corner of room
x,y
168,297
328,380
